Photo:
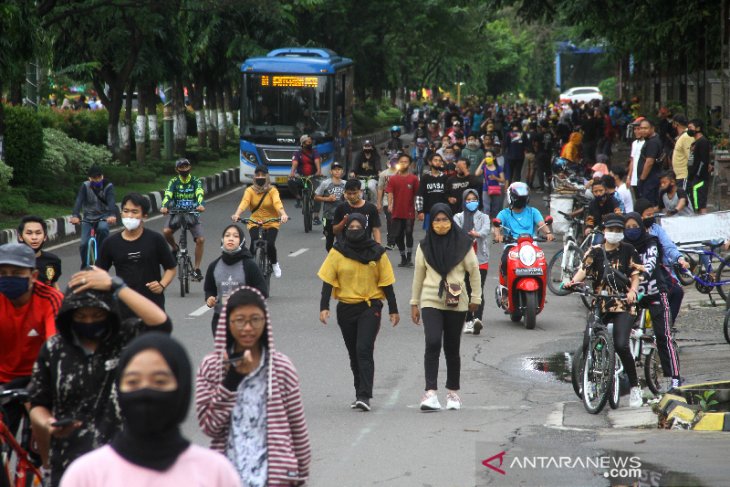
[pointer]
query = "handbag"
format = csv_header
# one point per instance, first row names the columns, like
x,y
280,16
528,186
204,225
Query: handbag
x,y
494,190
453,292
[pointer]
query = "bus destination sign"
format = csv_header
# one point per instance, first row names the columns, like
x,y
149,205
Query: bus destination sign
x,y
290,81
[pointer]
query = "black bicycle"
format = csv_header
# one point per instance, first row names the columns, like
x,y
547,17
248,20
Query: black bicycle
x,y
185,269
307,201
260,250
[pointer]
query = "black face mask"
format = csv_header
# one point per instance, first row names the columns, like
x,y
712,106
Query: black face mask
x,y
307,146
184,174
259,181
648,222
90,331
147,411
602,198
691,133
355,235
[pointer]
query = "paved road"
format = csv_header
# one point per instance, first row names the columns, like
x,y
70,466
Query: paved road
x,y
508,405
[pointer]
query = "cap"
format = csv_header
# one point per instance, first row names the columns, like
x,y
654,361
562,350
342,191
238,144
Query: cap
x,y
303,139
613,220
335,165
182,162
638,120
94,171
17,254
261,168
368,144
421,140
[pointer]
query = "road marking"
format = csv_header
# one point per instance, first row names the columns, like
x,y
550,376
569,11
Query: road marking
x,y
555,420
298,252
200,311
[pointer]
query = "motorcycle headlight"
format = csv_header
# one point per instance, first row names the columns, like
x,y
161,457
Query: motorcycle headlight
x,y
528,255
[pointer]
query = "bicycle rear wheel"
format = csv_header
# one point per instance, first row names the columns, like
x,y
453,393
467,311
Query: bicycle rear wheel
x,y
726,327
91,252
181,275
723,274
556,275
614,396
576,371
598,372
306,211
262,261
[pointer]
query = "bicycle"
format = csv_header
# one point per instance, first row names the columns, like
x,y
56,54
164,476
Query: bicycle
x,y
26,470
569,258
368,194
185,267
307,194
261,253
92,246
702,272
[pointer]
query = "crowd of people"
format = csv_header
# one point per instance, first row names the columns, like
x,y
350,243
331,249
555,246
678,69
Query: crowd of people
x,y
110,387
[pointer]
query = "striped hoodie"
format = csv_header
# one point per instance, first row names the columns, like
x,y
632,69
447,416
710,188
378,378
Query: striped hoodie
x,y
287,439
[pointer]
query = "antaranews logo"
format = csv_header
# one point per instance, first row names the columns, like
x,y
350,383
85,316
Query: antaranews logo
x,y
612,466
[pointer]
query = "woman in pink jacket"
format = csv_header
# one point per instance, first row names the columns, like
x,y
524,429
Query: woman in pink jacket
x,y
248,399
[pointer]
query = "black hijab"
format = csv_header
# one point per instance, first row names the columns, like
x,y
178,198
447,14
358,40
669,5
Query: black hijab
x,y
240,253
157,451
444,252
364,251
641,243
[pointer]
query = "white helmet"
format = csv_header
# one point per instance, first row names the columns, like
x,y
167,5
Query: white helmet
x,y
518,195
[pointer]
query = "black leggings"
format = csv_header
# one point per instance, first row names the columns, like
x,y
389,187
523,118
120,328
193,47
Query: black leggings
x,y
675,296
403,231
440,324
622,324
360,324
389,220
660,320
329,234
271,234
479,314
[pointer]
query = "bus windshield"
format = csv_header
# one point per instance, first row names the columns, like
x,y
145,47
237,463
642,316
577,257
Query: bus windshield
x,y
285,105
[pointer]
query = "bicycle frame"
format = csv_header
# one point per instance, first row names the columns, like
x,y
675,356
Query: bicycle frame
x,y
24,466
708,267
92,244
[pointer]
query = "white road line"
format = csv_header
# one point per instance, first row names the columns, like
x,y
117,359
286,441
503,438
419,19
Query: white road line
x,y
200,311
298,252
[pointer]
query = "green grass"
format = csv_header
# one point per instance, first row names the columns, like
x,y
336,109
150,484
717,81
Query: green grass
x,y
200,169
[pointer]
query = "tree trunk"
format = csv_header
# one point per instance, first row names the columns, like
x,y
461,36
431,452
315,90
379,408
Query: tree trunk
x,y
155,147
212,117
222,124
229,108
15,97
125,127
198,106
2,124
179,123
140,126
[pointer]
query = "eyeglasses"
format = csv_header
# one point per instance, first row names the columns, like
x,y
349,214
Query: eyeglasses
x,y
255,321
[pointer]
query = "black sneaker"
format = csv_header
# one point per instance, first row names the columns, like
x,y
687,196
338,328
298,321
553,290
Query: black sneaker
x,y
409,261
197,275
363,404
403,262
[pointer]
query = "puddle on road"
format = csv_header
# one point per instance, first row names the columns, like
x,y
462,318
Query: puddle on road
x,y
556,367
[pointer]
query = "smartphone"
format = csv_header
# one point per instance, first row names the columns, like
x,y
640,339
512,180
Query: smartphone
x,y
62,423
234,358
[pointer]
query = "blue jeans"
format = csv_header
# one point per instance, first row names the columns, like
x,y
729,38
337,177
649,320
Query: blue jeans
x,y
102,232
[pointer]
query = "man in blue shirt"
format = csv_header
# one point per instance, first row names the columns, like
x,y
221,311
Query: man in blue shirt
x,y
518,219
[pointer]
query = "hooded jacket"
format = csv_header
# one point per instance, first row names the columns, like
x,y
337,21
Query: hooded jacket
x,y
482,227
71,383
287,439
571,150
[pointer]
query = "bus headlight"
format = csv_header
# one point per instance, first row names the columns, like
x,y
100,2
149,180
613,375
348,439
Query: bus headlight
x,y
250,156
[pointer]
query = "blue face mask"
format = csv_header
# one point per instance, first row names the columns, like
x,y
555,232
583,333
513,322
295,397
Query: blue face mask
x,y
632,234
13,287
97,184
472,205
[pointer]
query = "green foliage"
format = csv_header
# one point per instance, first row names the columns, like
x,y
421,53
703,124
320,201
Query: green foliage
x,y
85,125
6,175
608,87
373,115
13,202
23,144
705,400
66,155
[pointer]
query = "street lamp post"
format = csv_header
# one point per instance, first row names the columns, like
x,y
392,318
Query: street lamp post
x,y
458,92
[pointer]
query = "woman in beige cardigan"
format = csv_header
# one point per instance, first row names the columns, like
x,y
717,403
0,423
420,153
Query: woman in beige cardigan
x,y
443,259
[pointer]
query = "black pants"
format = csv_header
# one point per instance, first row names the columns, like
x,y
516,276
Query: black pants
x,y
271,234
329,234
479,314
403,231
544,170
296,186
438,326
359,324
622,324
675,296
515,169
389,221
660,320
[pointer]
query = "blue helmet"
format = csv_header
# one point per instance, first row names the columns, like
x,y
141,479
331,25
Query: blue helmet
x,y
560,164
395,129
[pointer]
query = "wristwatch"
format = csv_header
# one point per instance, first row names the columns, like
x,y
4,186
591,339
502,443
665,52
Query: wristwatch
x,y
117,285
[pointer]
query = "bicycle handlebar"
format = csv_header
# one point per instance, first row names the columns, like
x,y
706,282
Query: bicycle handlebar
x,y
8,396
178,211
259,222
581,288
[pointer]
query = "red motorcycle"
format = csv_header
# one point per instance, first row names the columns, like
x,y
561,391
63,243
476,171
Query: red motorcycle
x,y
522,291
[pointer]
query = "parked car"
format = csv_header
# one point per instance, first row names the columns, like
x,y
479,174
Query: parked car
x,y
581,94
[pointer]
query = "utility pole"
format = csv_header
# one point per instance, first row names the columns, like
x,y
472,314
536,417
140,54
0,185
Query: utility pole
x,y
167,122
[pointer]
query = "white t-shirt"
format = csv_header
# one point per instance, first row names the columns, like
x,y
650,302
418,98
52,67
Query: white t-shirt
x,y
625,195
635,153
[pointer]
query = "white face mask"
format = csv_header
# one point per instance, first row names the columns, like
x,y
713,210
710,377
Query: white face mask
x,y
131,223
614,237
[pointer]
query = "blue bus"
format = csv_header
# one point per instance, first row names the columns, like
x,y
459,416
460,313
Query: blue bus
x,y
288,93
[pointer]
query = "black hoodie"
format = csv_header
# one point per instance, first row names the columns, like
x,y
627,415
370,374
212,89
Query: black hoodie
x,y
74,384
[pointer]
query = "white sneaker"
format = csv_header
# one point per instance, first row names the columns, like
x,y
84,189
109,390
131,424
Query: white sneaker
x,y
430,402
277,270
635,398
477,326
453,401
468,327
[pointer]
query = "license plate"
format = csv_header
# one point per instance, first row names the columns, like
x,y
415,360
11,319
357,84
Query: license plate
x,y
281,180
528,271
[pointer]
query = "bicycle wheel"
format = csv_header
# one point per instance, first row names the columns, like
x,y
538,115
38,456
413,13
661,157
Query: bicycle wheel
x,y
576,371
263,262
181,274
727,324
555,275
598,372
723,274
91,252
306,211
685,279
614,397
653,374
189,273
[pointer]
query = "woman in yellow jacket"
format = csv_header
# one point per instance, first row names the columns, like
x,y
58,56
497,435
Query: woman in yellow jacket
x,y
264,202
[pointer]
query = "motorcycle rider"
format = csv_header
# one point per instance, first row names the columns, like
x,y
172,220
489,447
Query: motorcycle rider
x,y
394,144
518,219
367,165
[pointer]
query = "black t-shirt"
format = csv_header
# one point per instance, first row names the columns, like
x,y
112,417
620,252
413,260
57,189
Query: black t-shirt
x,y
138,261
625,259
699,159
372,218
652,148
597,212
49,268
455,187
432,190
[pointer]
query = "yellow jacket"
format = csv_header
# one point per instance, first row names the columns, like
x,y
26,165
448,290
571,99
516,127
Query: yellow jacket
x,y
270,208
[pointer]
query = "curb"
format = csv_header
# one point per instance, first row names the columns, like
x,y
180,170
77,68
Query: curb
x,y
679,408
61,230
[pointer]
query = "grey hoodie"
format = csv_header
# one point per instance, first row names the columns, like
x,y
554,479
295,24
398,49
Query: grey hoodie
x,y
482,227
